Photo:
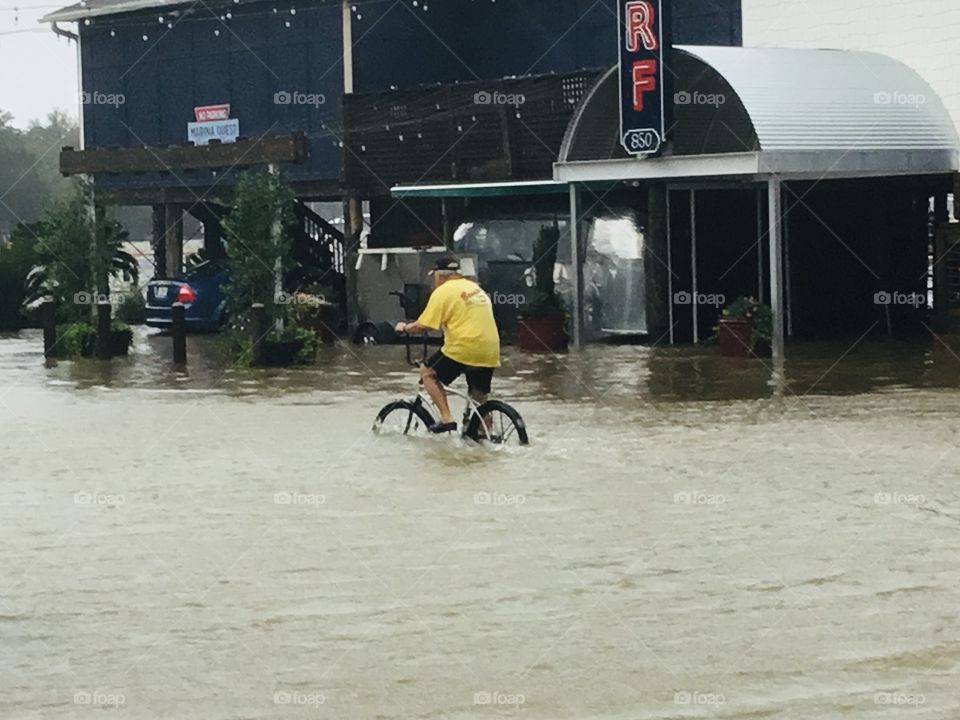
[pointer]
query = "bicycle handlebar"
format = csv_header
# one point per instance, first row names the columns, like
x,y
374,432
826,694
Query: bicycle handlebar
x,y
410,360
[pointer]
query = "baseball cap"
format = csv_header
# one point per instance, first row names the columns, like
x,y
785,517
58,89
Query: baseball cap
x,y
446,263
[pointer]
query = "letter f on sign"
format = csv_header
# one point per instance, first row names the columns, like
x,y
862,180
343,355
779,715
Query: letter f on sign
x,y
640,26
644,80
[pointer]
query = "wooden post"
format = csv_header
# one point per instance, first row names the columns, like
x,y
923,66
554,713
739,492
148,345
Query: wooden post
x,y
48,314
179,330
258,328
173,239
103,330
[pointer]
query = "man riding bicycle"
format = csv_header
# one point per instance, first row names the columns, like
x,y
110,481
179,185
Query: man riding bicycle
x,y
471,342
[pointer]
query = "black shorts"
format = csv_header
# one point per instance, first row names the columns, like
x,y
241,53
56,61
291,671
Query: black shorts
x,y
447,370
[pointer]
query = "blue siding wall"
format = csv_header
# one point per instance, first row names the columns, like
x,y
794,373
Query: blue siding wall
x,y
254,57
396,44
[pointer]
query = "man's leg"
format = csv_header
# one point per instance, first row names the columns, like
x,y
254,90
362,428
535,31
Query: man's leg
x,y
436,392
478,383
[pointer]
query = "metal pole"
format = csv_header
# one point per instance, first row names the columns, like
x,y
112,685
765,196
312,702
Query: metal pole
x,y
788,283
179,329
276,232
258,328
760,288
670,269
776,264
576,269
693,265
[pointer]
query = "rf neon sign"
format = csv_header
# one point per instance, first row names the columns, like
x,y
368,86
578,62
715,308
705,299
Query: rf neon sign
x,y
642,92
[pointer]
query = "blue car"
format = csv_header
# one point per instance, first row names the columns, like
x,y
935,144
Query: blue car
x,y
200,290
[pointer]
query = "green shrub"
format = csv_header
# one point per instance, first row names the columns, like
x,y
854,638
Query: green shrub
x,y
133,309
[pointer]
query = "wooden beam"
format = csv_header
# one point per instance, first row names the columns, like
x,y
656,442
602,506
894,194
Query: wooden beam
x,y
293,148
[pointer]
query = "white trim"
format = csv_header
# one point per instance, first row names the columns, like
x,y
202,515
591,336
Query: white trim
x,y
475,186
829,164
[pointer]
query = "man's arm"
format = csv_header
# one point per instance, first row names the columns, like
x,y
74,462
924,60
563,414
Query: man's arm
x,y
430,319
412,328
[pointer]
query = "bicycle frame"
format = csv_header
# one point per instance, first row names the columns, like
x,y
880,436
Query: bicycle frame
x,y
471,408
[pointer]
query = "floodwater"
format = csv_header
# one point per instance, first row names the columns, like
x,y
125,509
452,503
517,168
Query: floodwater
x,y
685,537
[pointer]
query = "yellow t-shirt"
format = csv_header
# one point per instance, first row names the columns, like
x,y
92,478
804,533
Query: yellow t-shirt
x,y
464,312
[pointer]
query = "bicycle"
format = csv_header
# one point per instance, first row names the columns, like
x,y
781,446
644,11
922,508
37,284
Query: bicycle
x,y
493,421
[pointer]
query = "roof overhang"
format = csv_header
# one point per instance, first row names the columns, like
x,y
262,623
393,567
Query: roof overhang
x,y
836,164
487,189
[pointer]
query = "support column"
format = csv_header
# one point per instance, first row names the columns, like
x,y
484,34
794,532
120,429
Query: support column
x,y
352,233
658,285
173,239
787,279
760,283
694,289
775,238
576,265
670,268
159,242
276,233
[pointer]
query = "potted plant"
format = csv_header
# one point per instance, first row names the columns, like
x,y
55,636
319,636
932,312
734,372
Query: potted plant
x,y
542,327
745,329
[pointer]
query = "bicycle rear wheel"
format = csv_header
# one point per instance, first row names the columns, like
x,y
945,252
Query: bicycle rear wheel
x,y
404,417
504,427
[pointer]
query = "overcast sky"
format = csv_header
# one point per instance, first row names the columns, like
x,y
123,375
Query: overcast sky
x,y
38,71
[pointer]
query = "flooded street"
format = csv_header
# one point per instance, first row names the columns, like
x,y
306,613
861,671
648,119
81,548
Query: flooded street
x,y
682,539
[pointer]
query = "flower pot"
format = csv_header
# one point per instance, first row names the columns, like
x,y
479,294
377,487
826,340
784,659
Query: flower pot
x,y
543,334
735,337
120,342
281,353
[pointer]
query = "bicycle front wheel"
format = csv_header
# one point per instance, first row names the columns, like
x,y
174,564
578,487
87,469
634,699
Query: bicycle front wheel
x,y
501,425
404,417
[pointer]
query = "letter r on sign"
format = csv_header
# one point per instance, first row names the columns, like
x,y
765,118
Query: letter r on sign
x,y
640,26
644,80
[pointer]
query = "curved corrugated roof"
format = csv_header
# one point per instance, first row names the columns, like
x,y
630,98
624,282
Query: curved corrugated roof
x,y
832,99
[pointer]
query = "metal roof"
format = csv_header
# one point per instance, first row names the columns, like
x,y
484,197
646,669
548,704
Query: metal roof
x,y
94,8
832,99
797,113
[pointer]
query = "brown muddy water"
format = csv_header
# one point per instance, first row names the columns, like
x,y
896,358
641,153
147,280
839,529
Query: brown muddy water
x,y
683,539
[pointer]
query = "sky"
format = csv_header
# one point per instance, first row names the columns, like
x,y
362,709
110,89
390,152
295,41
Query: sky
x,y
38,70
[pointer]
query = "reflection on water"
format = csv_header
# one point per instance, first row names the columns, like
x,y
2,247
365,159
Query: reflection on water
x,y
687,537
